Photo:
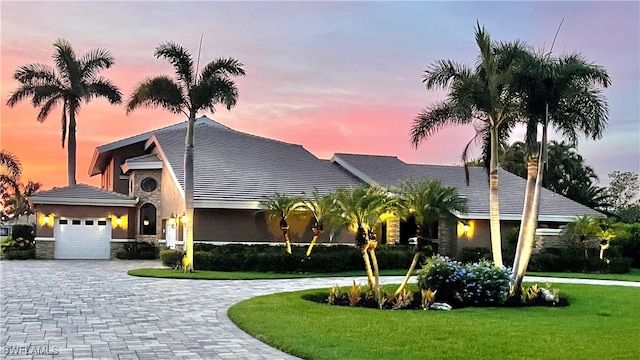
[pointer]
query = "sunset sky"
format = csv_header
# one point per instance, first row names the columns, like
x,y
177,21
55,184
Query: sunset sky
x,y
331,76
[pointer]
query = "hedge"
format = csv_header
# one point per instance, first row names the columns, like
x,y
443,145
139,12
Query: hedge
x,y
267,258
138,250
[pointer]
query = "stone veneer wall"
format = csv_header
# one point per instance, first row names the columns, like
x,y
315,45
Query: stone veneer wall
x,y
115,247
393,231
446,238
45,250
153,197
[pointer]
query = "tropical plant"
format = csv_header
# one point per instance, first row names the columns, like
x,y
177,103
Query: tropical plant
x,y
17,204
563,92
10,172
584,229
73,80
427,202
190,92
363,209
281,207
321,207
482,96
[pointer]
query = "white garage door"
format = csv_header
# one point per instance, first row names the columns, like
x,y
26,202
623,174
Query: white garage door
x,y
82,238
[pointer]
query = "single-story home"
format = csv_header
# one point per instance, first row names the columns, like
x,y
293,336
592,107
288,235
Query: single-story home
x,y
142,194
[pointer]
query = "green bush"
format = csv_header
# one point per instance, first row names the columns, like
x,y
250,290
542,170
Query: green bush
x,y
474,254
268,258
24,231
630,243
476,284
138,250
171,258
573,260
18,249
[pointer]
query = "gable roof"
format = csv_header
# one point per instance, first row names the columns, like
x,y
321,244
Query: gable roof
x,y
237,170
144,162
102,154
390,171
82,194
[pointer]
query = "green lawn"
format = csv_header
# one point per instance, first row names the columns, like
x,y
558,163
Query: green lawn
x,y
221,275
602,322
633,275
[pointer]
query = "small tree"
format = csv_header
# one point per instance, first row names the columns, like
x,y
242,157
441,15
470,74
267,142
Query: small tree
x,y
281,206
322,207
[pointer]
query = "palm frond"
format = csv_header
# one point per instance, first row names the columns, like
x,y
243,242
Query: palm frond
x,y
101,87
213,91
45,109
180,58
223,67
35,72
435,118
160,91
65,59
445,72
94,61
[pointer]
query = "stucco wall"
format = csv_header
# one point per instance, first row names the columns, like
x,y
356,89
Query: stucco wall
x,y
111,176
171,198
125,231
249,226
481,235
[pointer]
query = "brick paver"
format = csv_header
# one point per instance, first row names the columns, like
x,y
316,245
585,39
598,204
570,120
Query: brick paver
x,y
94,310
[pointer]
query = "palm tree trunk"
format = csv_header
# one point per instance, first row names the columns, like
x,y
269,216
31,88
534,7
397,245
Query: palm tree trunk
x,y
71,147
189,185
527,226
416,257
313,242
367,267
494,204
376,272
532,219
287,242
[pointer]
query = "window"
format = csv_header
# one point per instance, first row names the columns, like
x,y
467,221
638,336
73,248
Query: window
x,y
76,222
148,184
148,219
102,222
64,221
88,222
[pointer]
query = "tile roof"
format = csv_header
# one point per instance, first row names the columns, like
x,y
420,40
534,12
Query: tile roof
x,y
82,194
390,171
235,166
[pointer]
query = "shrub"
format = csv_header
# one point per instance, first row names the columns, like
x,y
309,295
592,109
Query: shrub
x,y
629,243
268,258
573,260
24,231
18,248
138,250
171,258
477,284
476,253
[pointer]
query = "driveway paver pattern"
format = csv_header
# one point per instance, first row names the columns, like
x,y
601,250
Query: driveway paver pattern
x,y
69,309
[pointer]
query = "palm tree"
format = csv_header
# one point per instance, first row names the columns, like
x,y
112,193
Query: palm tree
x,y
482,96
73,80
17,205
10,172
190,92
427,202
363,209
321,206
563,92
282,206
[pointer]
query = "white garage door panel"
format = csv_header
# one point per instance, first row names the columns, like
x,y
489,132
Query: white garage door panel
x,y
87,240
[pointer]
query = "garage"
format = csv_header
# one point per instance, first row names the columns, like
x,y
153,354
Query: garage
x,y
77,238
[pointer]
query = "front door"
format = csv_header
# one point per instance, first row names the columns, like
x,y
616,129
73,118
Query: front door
x,y
170,234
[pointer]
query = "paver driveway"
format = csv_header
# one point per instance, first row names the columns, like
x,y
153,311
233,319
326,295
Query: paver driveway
x,y
93,309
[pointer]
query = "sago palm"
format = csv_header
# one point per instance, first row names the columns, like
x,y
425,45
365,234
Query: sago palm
x,y
190,92
427,201
74,80
363,209
281,207
321,207
564,92
480,96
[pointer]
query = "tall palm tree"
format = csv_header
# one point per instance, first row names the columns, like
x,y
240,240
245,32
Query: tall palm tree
x,y
321,207
281,206
427,201
363,209
73,80
191,91
10,172
482,96
563,92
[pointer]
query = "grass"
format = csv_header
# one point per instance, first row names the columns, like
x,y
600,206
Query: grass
x,y
222,275
602,322
633,275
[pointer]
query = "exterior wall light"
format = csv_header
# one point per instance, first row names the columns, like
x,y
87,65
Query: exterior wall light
x,y
47,220
119,221
145,222
184,219
172,221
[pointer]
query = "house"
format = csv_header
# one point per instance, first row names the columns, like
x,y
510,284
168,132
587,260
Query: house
x,y
142,198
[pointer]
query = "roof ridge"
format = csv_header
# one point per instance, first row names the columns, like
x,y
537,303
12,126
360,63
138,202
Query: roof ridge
x,y
86,186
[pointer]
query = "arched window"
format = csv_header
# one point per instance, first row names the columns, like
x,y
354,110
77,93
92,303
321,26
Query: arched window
x,y
147,219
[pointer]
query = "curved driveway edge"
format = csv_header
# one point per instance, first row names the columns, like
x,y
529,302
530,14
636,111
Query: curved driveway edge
x,y
93,309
